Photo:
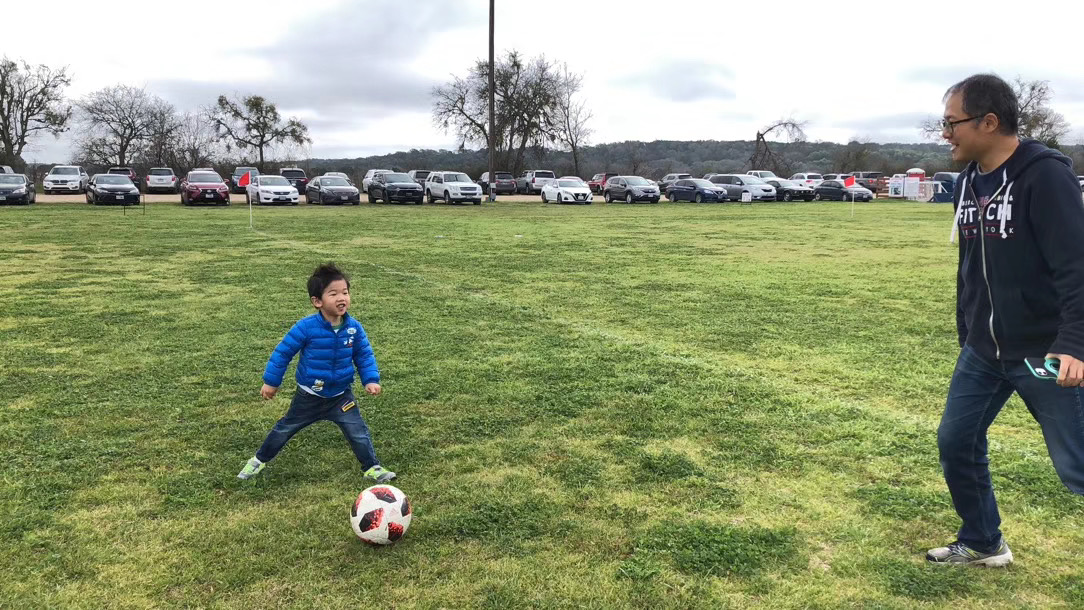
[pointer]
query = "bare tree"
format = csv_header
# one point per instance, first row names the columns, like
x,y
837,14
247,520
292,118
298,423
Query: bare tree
x,y
194,143
525,97
570,130
253,123
31,103
764,157
117,123
165,126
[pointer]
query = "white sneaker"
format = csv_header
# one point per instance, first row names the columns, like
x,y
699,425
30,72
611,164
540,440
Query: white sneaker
x,y
961,554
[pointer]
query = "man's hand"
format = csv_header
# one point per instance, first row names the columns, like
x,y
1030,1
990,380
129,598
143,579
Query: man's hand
x,y
268,392
1070,371
372,388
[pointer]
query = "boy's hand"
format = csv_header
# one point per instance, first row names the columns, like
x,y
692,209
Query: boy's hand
x,y
268,392
372,388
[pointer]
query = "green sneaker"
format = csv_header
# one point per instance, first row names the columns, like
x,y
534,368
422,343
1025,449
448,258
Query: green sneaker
x,y
251,469
961,554
378,474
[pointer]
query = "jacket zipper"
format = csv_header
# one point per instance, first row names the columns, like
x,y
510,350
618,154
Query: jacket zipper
x,y
985,277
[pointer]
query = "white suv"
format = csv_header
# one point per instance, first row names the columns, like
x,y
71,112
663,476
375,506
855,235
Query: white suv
x,y
761,173
809,179
369,177
451,187
66,179
162,179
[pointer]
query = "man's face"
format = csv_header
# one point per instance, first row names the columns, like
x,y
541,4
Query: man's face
x,y
968,139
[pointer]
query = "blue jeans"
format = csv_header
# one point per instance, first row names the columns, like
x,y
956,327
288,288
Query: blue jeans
x,y
979,389
306,409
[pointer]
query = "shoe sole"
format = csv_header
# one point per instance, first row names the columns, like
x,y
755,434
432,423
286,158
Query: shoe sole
x,y
997,561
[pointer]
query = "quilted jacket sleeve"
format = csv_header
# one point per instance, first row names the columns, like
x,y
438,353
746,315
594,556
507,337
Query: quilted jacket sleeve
x,y
364,359
283,354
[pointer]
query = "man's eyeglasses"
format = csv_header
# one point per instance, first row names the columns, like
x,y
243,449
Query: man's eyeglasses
x,y
950,126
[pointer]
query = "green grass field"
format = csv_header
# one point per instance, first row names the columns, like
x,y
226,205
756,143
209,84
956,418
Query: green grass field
x,y
594,407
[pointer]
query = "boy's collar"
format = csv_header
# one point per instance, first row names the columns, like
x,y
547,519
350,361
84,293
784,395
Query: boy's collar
x,y
346,316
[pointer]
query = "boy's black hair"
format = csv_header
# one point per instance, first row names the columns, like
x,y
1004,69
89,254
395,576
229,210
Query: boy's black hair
x,y
985,94
322,277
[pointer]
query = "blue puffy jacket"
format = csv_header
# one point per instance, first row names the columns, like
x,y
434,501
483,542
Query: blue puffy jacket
x,y
327,358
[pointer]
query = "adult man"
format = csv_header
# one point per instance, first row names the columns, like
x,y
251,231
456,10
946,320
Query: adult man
x,y
1020,293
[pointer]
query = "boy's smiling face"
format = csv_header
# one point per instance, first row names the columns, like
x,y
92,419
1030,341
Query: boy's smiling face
x,y
335,300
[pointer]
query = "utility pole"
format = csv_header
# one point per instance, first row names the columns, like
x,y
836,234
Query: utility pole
x,y
492,121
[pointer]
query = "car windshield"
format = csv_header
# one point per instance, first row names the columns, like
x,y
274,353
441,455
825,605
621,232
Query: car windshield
x,y
334,181
397,177
292,173
541,174
504,176
456,178
569,183
114,179
704,184
204,177
161,172
65,171
11,179
273,181
637,181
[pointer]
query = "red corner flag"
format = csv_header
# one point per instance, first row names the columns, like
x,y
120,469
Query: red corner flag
x,y
244,179
848,181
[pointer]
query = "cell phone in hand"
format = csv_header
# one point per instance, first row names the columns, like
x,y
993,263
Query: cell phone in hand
x,y
1043,368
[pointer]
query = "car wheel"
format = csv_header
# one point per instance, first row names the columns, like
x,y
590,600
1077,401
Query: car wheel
x,y
628,197
787,196
447,197
544,200
88,198
699,199
607,197
817,197
429,195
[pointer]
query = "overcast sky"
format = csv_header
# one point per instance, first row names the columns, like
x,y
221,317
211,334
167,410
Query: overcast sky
x,y
359,72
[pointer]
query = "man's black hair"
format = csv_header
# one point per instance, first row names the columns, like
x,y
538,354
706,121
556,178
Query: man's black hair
x,y
322,277
985,94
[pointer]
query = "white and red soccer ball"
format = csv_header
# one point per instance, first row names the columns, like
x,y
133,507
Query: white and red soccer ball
x,y
381,514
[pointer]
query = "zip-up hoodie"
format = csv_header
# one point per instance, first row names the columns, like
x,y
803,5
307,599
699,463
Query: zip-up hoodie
x,y
1020,282
327,359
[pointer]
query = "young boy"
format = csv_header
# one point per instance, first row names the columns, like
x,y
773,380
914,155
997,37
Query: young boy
x,y
331,345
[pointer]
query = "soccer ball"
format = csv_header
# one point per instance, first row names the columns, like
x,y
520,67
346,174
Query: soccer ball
x,y
381,514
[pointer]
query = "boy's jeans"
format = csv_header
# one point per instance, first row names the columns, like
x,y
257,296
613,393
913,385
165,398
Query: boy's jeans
x,y
306,409
980,386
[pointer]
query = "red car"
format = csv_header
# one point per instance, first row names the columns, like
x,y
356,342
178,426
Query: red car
x,y
202,186
598,182
125,171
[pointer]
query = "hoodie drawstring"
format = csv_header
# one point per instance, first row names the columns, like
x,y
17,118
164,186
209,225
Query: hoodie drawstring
x,y
1005,209
959,210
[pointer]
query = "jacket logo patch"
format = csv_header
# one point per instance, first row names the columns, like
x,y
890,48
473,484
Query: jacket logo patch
x,y
351,331
348,406
318,385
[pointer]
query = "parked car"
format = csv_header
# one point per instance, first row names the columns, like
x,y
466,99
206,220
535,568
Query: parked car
x,y
834,190
451,187
161,179
65,179
235,179
669,179
395,186
809,179
296,176
418,175
112,188
6,169
271,189
332,189
1081,180
630,189
125,171
531,181
837,177
576,178
789,190
697,190
202,186
505,183
736,184
874,181
761,173
947,181
340,175
567,190
598,182
17,188
369,178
